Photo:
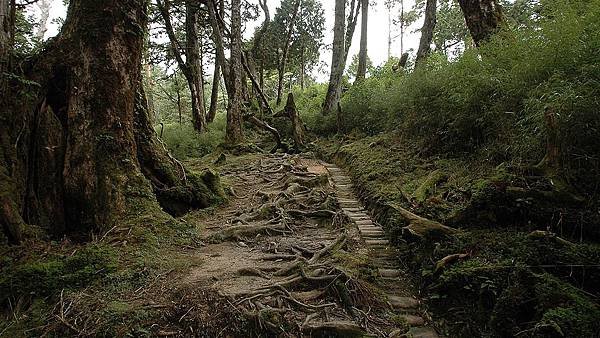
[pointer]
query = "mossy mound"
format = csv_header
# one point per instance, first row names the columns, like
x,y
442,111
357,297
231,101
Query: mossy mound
x,y
497,278
47,277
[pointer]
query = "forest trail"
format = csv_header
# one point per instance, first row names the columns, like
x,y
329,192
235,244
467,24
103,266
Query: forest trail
x,y
296,253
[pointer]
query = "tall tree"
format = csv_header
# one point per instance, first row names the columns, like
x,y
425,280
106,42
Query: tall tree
x,y
427,30
85,155
342,38
190,67
362,55
234,132
483,17
335,77
286,49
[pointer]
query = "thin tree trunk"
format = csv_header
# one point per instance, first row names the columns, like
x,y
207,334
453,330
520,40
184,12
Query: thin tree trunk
x,y
5,41
427,30
302,68
351,27
362,55
389,37
193,65
234,132
483,17
214,94
217,37
401,27
286,49
337,59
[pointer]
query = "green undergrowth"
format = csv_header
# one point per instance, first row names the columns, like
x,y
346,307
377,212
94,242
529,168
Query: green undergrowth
x,y
509,281
106,280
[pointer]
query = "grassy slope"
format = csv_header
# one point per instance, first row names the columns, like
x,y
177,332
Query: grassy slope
x,y
510,282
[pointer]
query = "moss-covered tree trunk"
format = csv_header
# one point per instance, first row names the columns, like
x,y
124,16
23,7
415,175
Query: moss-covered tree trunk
x,y
483,18
79,151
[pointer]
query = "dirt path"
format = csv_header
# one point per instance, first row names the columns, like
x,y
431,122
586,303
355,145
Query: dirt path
x,y
294,253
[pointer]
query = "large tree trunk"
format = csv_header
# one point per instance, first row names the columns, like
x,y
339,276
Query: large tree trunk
x,y
483,18
337,59
362,55
234,132
81,153
427,30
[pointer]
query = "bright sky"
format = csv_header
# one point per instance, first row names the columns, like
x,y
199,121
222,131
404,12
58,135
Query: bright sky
x,y
377,37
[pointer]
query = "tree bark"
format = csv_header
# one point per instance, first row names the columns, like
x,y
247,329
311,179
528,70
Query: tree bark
x,y
362,55
234,132
286,49
427,30
5,43
217,37
337,59
483,17
351,27
297,125
84,155
214,94
194,66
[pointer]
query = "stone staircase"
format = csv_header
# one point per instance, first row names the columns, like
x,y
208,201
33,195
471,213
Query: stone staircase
x,y
383,256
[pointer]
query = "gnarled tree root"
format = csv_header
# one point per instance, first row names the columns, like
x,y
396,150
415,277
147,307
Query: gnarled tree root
x,y
423,228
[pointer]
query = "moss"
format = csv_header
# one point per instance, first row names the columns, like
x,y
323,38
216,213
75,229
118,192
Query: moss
x,y
47,277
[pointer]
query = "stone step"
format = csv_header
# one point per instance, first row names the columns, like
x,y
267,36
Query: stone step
x,y
368,227
413,320
365,222
398,302
373,234
379,242
390,273
421,332
350,209
359,218
384,264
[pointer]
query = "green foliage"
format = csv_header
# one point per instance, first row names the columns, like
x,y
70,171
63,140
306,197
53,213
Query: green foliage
x,y
184,142
493,99
47,277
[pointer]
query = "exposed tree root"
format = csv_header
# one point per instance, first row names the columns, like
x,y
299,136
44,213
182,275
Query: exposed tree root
x,y
423,228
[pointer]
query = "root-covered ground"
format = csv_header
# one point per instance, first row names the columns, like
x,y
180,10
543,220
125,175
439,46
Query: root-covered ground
x,y
280,258
286,257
